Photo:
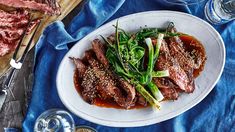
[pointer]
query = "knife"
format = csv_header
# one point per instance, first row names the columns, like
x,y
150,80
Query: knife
x,y
3,90
16,65
6,87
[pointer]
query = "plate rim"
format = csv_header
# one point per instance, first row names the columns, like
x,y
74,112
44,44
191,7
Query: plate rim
x,y
151,121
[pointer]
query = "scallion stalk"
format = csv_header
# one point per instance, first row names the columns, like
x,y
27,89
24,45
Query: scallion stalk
x,y
152,101
155,91
147,77
160,73
158,46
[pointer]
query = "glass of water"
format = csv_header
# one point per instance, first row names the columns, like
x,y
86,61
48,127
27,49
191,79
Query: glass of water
x,y
54,120
220,11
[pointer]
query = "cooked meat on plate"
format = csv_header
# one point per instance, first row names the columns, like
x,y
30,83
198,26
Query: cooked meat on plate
x,y
131,69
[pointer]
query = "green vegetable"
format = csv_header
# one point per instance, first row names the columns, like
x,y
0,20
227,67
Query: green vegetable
x,y
147,96
160,73
147,77
126,56
158,46
155,91
145,33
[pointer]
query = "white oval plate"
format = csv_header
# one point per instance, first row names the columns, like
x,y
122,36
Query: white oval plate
x,y
185,23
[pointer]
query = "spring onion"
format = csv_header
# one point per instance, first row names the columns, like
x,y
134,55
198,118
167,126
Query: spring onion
x,y
126,56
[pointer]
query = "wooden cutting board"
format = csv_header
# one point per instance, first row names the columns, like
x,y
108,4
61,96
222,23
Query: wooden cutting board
x,y
66,7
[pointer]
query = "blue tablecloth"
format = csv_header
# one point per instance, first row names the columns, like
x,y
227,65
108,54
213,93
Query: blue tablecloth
x,y
215,113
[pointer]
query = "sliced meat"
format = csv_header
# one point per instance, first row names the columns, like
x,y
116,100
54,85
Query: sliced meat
x,y
91,88
180,78
176,73
79,66
164,60
165,82
185,61
89,83
47,6
107,82
12,26
10,36
127,101
5,48
189,60
99,50
12,16
130,91
177,49
12,23
141,100
170,93
104,95
167,88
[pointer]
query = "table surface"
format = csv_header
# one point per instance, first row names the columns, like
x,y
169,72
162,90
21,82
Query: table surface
x,y
13,111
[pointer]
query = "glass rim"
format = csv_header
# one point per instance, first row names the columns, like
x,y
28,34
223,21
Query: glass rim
x,y
183,2
56,111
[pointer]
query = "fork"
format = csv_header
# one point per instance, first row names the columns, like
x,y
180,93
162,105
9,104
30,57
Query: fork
x,y
16,65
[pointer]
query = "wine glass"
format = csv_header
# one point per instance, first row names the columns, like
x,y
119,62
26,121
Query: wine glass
x,y
54,120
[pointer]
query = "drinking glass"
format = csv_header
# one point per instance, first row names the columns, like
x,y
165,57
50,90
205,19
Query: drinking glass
x,y
220,11
183,2
54,120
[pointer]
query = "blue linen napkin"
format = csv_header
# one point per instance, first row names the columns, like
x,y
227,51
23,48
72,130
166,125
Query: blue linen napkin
x,y
215,113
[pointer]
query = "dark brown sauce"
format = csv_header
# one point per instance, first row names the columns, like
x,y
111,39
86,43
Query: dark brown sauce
x,y
191,43
98,101
187,40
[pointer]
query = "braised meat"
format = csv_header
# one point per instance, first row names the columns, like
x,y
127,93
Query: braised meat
x,y
46,6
